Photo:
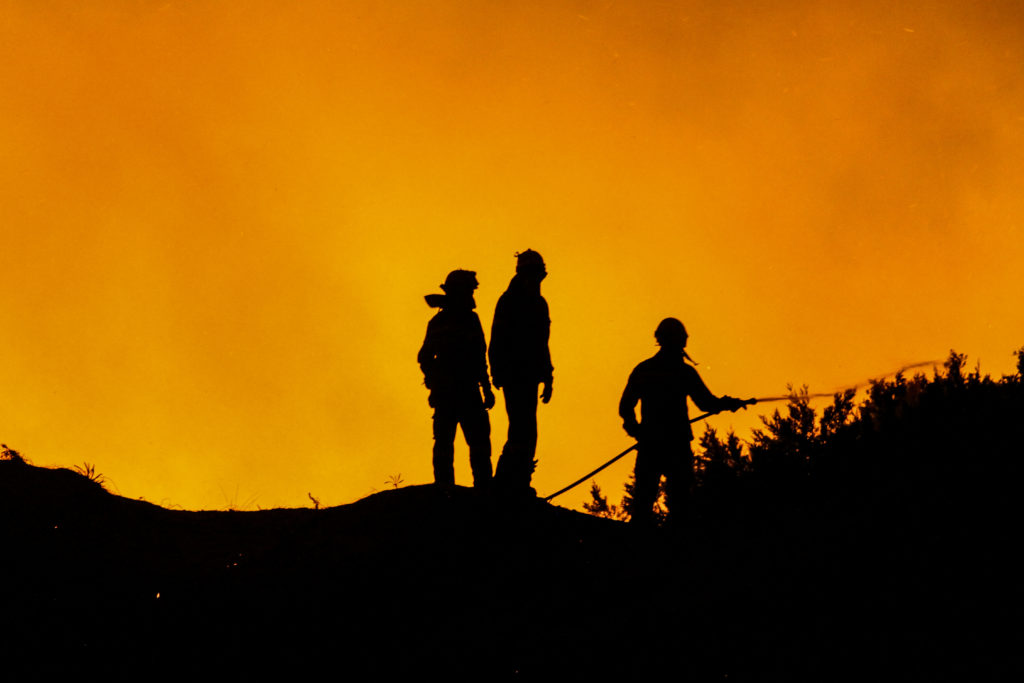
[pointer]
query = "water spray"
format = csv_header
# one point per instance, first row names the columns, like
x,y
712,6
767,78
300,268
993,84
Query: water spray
x,y
744,404
855,387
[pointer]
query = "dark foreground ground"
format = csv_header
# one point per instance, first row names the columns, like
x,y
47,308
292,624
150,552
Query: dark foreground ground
x,y
413,581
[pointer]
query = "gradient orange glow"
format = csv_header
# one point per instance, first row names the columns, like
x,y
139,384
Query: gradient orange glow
x,y
218,220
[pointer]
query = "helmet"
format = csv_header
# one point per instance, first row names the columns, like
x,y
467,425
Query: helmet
x,y
460,281
530,261
670,332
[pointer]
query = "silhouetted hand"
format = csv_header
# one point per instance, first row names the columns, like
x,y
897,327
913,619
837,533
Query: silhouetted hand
x,y
545,395
732,404
488,397
633,429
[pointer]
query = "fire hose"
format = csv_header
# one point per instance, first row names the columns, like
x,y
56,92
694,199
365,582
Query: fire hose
x,y
748,402
744,404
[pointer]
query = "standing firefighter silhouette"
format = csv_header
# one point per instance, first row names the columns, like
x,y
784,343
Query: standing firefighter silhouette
x,y
454,363
661,384
520,363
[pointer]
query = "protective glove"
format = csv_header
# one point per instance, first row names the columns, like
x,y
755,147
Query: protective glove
x,y
488,397
545,395
632,428
732,404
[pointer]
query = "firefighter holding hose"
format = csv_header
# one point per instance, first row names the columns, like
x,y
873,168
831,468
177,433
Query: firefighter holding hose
x,y
661,385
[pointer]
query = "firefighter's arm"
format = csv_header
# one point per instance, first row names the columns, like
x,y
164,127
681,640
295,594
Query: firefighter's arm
x,y
710,403
496,351
627,408
548,380
483,378
426,358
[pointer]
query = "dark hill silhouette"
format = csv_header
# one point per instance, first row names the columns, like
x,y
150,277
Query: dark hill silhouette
x,y
413,579
877,547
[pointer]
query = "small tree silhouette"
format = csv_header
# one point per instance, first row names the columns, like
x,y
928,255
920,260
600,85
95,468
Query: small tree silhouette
x,y
720,463
8,453
599,506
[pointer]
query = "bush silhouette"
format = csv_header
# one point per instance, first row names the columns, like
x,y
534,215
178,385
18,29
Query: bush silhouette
x,y
911,442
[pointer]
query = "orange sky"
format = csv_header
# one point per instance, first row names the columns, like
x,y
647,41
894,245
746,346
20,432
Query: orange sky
x,y
218,220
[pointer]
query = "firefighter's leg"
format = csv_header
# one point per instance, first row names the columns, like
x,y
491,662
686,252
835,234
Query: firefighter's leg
x,y
445,423
647,476
678,482
516,464
476,426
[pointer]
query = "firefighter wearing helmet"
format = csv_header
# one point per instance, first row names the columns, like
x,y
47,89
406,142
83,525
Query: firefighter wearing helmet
x,y
520,364
661,385
454,363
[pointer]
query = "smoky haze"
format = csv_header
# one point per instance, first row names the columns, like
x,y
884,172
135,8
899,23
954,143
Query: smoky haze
x,y
219,222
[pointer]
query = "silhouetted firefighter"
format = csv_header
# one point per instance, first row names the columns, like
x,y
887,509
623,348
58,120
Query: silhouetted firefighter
x,y
454,363
661,384
520,363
